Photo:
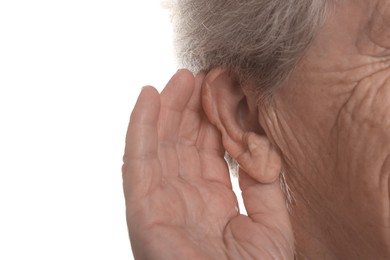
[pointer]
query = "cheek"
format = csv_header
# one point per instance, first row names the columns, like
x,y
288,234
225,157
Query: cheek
x,y
365,117
362,151
362,133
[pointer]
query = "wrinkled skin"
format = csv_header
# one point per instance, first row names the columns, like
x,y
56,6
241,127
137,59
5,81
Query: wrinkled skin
x,y
179,199
332,125
329,122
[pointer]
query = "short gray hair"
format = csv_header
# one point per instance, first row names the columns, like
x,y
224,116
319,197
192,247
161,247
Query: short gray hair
x,y
260,40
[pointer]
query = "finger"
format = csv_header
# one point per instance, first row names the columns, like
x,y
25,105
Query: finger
x,y
210,139
143,124
267,218
192,115
212,152
174,99
140,168
254,193
266,204
189,129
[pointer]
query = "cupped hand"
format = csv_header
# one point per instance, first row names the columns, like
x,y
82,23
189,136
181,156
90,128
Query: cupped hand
x,y
179,198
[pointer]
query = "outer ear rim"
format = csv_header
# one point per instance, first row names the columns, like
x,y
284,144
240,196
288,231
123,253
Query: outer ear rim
x,y
207,102
217,114
252,151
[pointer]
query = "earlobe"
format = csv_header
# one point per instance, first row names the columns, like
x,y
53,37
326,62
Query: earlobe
x,y
260,161
234,112
209,95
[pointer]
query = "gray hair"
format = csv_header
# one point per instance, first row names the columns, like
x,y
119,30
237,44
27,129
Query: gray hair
x,y
260,40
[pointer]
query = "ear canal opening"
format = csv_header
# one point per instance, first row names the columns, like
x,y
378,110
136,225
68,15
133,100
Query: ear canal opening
x,y
247,118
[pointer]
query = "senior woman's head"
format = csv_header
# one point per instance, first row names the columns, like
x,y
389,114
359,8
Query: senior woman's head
x,y
260,40
314,77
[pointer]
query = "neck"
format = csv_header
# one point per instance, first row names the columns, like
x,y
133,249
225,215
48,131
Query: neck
x,y
320,231
308,223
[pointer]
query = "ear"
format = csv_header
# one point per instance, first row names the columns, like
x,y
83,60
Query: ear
x,y
233,109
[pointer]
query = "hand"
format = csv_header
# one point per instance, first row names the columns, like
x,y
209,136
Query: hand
x,y
179,199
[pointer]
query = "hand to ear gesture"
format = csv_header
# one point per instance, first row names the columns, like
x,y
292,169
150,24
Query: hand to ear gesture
x,y
179,198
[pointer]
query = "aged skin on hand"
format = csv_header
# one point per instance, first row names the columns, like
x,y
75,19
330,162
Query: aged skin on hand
x,y
179,197
326,126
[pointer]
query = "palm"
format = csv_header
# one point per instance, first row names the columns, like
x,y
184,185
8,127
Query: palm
x,y
180,203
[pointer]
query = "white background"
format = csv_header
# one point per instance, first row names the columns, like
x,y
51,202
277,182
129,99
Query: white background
x,y
70,72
